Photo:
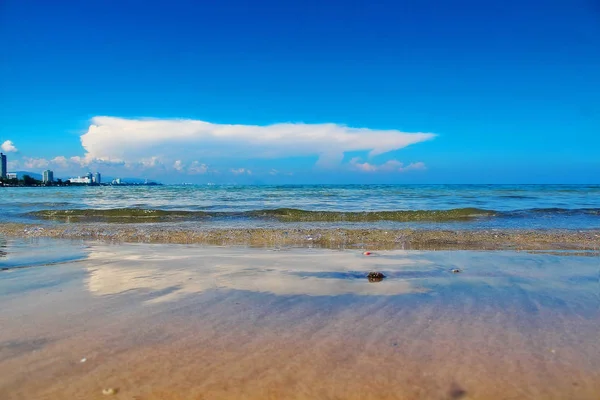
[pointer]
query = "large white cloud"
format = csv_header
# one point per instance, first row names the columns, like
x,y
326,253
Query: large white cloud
x,y
178,142
151,146
8,147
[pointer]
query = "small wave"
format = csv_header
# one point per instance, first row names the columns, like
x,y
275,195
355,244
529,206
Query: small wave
x,y
516,197
118,215
296,215
280,214
560,211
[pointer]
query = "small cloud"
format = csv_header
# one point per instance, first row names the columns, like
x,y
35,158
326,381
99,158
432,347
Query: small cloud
x,y
240,171
388,166
36,163
9,147
197,168
366,167
178,165
414,167
88,160
150,162
273,172
81,161
60,161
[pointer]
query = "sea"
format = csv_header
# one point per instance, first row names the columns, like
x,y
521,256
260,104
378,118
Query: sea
x,y
571,207
133,318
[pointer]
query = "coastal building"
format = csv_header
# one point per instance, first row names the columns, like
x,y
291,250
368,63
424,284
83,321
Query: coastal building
x,y
116,181
87,179
3,169
81,179
48,176
12,175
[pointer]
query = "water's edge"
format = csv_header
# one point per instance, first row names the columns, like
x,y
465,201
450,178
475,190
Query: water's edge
x,y
325,238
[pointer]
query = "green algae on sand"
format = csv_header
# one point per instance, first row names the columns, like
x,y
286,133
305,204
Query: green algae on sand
x,y
296,215
279,214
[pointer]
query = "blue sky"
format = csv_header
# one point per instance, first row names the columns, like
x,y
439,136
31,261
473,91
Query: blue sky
x,y
508,90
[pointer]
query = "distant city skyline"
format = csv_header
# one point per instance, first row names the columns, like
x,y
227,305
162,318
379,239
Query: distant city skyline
x,y
47,176
335,92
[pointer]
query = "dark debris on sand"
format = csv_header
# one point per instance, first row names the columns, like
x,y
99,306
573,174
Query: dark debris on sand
x,y
375,276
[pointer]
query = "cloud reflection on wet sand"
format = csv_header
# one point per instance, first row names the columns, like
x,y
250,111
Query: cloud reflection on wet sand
x,y
186,270
185,322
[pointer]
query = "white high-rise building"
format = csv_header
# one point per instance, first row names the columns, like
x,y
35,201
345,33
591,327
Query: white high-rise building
x,y
48,176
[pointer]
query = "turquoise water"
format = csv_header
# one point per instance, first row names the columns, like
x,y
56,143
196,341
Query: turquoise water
x,y
453,206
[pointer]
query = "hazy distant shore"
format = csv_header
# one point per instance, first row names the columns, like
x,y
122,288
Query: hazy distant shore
x,y
326,237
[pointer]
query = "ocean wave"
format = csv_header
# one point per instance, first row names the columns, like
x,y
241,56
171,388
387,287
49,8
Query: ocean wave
x,y
555,211
118,215
280,214
140,215
296,215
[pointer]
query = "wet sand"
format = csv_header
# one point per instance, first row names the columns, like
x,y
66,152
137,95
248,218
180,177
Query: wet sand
x,y
417,239
205,322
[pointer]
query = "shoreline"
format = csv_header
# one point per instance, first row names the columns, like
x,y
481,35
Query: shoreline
x,y
332,238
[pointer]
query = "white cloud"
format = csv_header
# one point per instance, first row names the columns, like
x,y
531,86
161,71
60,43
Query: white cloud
x,y
366,167
178,165
151,146
150,162
388,166
194,168
197,168
133,140
418,166
60,162
81,161
36,163
8,147
241,171
64,164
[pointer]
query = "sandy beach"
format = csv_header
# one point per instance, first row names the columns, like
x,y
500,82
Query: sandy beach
x,y
152,321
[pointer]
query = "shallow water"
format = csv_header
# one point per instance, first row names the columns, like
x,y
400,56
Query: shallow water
x,y
363,206
181,322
